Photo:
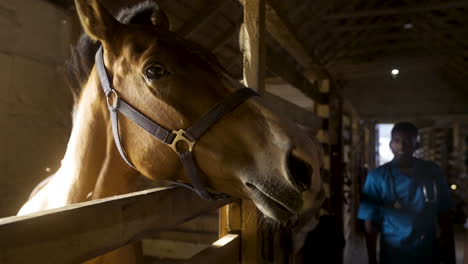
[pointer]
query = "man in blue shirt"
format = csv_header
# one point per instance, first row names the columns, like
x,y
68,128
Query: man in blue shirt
x,y
407,201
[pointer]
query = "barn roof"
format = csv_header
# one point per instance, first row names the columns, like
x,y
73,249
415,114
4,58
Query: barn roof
x,y
341,39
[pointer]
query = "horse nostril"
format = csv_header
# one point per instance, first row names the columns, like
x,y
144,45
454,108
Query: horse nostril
x,y
300,172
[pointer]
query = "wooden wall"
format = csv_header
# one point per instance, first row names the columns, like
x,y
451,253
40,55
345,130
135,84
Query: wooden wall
x,y
35,103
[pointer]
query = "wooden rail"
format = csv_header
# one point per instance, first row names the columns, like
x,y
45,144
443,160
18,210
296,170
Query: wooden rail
x,y
79,232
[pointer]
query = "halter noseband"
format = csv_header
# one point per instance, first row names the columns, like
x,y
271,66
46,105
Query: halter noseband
x,y
187,137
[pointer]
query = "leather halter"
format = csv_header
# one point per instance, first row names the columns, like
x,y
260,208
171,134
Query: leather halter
x,y
187,137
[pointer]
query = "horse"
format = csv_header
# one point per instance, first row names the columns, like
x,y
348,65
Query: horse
x,y
158,105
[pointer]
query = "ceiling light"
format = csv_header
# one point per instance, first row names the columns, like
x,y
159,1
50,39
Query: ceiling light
x,y
408,26
453,187
395,72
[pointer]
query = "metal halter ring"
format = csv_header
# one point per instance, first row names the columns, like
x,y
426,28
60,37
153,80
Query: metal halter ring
x,y
181,137
114,97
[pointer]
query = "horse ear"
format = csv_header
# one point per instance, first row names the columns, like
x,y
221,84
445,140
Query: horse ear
x,y
159,19
98,23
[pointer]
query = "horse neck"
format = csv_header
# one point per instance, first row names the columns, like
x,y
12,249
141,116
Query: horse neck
x,y
92,164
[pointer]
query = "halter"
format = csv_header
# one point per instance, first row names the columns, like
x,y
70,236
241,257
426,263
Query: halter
x,y
174,139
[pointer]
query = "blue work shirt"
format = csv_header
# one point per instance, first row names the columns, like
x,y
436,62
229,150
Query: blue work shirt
x,y
408,229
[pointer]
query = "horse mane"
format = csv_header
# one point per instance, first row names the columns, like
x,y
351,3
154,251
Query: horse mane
x,y
81,62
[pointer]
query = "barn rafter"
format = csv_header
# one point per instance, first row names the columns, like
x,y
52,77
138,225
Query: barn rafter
x,y
315,37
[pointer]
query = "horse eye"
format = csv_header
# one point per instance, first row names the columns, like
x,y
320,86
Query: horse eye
x,y
154,72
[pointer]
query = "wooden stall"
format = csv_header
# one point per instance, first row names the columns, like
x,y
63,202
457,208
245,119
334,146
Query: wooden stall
x,y
327,65
82,231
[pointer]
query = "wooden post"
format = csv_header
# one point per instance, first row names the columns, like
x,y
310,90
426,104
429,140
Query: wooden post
x,y
230,219
253,47
337,175
241,217
322,110
253,44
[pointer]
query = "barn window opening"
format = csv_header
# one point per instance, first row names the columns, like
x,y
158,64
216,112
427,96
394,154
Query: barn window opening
x,y
384,135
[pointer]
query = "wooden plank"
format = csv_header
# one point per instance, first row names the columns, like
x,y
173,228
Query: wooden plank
x,y
281,29
287,70
230,219
226,250
224,38
253,44
171,249
82,231
399,11
184,236
201,17
250,244
297,114
206,223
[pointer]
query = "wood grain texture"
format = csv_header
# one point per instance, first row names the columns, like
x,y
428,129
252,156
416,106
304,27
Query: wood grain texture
x,y
225,250
82,231
253,41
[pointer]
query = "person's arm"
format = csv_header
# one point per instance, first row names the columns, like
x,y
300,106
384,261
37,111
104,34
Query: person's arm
x,y
372,232
446,243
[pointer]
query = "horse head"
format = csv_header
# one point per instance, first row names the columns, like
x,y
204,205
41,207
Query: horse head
x,y
250,152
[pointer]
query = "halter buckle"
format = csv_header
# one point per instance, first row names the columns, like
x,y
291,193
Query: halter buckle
x,y
181,143
112,99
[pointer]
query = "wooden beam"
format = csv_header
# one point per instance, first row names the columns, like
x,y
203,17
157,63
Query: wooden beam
x,y
351,70
79,232
397,25
400,46
340,44
171,249
201,17
250,245
319,33
253,47
197,237
222,39
287,70
226,250
253,44
230,219
281,29
399,11
297,114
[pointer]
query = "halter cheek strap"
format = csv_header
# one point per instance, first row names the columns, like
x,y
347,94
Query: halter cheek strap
x,y
181,141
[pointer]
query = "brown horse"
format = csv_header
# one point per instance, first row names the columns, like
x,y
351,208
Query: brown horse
x,y
247,151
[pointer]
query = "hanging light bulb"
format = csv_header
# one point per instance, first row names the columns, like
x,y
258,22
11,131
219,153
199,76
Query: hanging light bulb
x,y
395,72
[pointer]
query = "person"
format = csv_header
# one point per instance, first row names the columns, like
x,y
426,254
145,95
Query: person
x,y
407,201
